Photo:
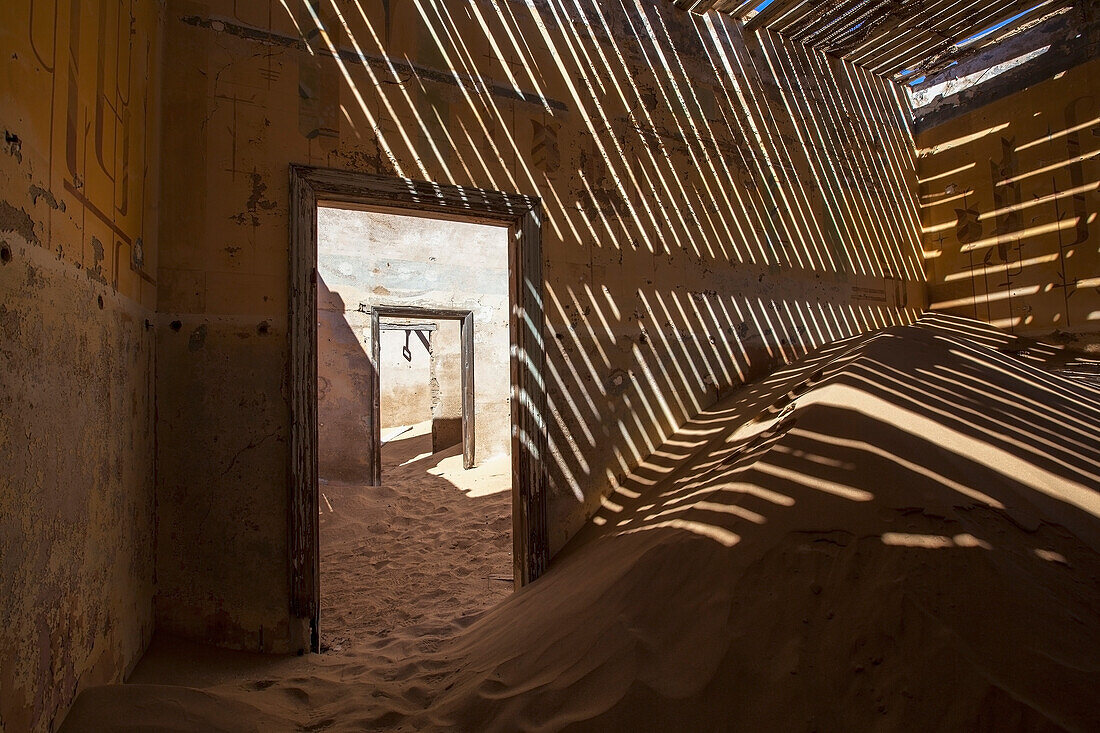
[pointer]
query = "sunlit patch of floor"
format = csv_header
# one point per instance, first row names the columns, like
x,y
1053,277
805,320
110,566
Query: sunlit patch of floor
x,y
431,546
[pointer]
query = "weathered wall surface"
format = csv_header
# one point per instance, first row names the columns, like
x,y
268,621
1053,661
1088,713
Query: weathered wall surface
x,y
1010,195
446,384
713,203
343,382
78,176
367,259
406,387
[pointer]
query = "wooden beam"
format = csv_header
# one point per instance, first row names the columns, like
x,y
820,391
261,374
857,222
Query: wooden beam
x,y
702,7
469,413
860,20
736,8
888,36
907,49
303,506
374,453
410,326
774,12
899,17
932,53
962,55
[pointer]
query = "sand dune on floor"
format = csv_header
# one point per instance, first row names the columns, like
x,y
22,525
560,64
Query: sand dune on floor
x,y
431,546
898,532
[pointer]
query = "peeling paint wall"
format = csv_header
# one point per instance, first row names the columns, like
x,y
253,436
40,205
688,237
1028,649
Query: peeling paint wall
x,y
78,257
1010,196
715,203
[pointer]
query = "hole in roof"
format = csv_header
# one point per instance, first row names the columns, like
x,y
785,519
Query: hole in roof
x,y
982,34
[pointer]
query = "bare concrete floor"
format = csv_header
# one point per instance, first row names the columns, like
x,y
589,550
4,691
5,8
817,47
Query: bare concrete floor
x,y
431,546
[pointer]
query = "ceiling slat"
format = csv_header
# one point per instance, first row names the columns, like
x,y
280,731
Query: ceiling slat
x,y
926,51
736,8
936,21
775,12
852,21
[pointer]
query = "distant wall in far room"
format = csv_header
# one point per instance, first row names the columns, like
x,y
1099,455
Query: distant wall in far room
x,y
368,259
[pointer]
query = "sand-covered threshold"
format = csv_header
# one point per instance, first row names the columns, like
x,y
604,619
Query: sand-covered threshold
x,y
431,546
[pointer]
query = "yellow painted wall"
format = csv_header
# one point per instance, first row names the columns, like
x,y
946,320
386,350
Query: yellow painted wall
x,y
1009,196
714,204
78,263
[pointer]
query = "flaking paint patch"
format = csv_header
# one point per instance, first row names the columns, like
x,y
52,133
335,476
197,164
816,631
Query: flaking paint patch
x,y
14,146
95,272
17,220
37,192
256,203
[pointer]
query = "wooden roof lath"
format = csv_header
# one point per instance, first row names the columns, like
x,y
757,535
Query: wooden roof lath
x,y
901,39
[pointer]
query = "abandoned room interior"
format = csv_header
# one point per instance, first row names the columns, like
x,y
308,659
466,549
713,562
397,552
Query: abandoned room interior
x,y
544,364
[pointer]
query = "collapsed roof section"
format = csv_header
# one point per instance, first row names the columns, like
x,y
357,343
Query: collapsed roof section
x,y
939,49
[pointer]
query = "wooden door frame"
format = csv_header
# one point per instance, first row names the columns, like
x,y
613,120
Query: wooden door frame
x,y
522,214
465,320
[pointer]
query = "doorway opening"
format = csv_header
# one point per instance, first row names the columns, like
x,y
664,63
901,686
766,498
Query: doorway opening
x,y
403,510
408,352
446,377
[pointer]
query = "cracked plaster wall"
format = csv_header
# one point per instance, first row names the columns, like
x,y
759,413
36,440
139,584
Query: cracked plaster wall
x,y
78,177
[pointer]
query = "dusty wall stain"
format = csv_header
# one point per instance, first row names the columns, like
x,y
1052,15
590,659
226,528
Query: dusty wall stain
x,y
95,268
197,339
17,221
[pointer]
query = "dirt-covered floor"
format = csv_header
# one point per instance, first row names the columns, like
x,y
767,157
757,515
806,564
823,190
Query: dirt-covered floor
x,y
431,546
900,531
